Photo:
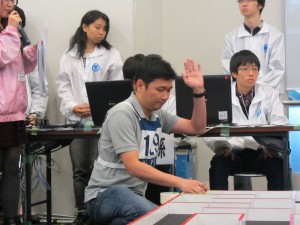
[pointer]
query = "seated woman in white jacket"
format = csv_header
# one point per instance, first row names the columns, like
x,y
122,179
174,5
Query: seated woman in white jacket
x,y
252,104
37,101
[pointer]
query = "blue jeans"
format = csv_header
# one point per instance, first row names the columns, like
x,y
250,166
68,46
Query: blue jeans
x,y
117,205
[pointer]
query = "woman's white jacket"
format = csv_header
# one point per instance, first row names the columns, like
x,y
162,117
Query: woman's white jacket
x,y
102,64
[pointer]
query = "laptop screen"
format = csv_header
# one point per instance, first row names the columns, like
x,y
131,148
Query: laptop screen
x,y
218,99
103,95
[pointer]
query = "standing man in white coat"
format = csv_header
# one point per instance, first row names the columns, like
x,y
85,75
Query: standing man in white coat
x,y
252,103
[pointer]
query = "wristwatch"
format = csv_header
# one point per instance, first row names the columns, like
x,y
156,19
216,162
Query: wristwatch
x,y
200,95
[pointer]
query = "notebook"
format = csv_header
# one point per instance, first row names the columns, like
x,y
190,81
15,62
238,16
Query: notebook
x,y
103,95
218,99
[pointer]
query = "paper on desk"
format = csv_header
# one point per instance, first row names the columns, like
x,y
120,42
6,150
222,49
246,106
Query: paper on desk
x,y
42,62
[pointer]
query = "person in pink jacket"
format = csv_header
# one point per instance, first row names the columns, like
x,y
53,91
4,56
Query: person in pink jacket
x,y
14,64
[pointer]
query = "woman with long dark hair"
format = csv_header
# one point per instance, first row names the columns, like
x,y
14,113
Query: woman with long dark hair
x,y
14,64
90,57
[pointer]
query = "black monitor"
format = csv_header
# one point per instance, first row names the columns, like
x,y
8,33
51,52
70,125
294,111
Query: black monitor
x,y
103,95
218,99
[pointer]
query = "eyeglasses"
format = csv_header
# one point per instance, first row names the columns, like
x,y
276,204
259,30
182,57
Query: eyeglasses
x,y
254,69
248,1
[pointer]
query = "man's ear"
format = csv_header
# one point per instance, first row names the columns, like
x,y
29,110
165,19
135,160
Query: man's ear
x,y
139,84
234,75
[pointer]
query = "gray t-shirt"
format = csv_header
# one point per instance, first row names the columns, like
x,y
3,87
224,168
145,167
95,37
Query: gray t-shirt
x,y
121,132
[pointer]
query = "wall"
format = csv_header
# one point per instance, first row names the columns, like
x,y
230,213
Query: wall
x,y
176,29
292,31
148,29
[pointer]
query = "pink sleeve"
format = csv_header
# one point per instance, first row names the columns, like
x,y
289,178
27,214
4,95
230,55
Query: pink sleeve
x,y
9,45
29,59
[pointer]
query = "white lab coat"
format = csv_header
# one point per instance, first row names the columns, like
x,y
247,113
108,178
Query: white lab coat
x,y
265,109
101,65
267,44
37,102
170,105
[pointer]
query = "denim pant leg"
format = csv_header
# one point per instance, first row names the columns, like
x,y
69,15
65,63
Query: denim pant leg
x,y
118,205
83,153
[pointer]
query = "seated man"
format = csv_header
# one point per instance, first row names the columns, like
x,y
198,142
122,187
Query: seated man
x,y
131,68
252,103
129,142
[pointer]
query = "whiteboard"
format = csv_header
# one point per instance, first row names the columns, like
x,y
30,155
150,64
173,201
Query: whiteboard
x,y
292,32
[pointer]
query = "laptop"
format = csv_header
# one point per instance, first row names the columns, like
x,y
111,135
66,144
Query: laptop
x,y
218,99
103,95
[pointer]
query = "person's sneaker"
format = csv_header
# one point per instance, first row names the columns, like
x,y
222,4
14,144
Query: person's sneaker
x,y
81,219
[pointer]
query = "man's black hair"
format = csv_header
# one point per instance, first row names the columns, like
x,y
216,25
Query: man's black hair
x,y
132,66
243,58
155,67
262,4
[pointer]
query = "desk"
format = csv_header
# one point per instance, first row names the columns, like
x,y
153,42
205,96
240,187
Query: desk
x,y
281,132
41,136
278,131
